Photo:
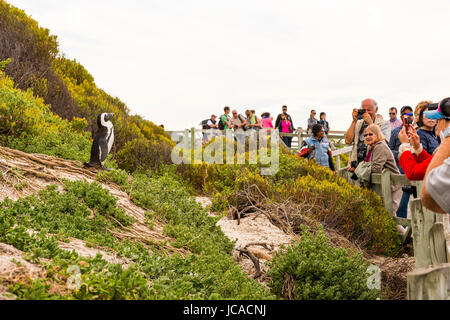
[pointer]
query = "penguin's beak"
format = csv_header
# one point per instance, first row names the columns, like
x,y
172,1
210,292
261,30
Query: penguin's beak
x,y
109,116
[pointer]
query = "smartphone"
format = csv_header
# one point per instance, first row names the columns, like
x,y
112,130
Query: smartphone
x,y
406,123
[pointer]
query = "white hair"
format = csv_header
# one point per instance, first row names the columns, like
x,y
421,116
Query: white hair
x,y
373,101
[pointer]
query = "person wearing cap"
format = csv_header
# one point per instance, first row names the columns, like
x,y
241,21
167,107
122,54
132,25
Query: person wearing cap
x,y
394,144
435,193
319,147
211,124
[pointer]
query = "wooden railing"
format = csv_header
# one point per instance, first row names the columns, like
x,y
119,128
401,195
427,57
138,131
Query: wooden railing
x,y
431,238
196,135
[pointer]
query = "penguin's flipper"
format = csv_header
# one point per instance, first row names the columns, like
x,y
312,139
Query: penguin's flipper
x,y
103,146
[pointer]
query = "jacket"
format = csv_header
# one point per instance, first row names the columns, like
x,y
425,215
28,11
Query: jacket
x,y
385,128
415,166
428,140
382,158
321,150
278,122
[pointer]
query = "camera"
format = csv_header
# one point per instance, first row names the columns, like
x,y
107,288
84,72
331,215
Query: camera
x,y
360,113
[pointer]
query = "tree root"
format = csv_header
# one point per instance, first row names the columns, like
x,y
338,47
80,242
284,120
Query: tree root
x,y
254,259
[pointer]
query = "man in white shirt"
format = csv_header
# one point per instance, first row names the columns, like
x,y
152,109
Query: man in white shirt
x,y
355,134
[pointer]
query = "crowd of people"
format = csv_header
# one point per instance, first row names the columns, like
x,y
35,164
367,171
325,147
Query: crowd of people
x,y
250,121
417,145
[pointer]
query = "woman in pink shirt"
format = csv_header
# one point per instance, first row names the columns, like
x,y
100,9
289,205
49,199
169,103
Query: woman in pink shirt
x,y
286,128
265,121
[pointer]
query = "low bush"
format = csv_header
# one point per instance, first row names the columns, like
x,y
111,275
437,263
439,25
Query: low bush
x,y
314,270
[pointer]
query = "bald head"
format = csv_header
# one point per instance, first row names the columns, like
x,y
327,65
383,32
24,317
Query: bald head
x,y
369,102
371,106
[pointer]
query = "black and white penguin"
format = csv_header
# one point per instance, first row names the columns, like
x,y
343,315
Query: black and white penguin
x,y
103,141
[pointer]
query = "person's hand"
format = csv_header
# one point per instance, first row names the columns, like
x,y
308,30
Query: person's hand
x,y
351,169
415,139
355,114
402,136
366,117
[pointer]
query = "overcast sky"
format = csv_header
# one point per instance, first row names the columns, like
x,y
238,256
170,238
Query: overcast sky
x,y
176,62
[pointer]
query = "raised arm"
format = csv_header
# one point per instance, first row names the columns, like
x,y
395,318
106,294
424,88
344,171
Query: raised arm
x,y
350,134
438,159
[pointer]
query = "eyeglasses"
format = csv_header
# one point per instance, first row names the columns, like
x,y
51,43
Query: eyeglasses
x,y
394,113
368,134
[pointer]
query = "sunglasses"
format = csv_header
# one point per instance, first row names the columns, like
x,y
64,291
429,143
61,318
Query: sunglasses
x,y
368,134
394,113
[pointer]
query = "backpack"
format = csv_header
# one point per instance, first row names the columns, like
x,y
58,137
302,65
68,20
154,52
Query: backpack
x,y
245,128
204,124
221,125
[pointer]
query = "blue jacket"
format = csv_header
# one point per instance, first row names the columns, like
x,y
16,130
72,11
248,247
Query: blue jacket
x,y
321,150
428,140
394,142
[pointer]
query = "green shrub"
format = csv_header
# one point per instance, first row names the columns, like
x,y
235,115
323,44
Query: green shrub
x,y
314,270
354,212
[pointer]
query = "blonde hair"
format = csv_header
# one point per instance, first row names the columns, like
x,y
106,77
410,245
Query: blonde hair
x,y
377,131
420,106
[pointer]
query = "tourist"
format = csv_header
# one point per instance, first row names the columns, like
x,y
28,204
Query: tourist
x,y
210,124
426,132
394,144
319,147
355,134
255,122
311,121
413,158
380,157
225,123
238,123
393,120
265,121
435,193
288,117
286,127
324,122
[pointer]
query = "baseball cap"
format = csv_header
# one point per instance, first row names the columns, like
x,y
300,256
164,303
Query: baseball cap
x,y
439,110
404,108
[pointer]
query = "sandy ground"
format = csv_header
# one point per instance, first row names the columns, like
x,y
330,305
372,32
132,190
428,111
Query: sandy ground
x,y
14,268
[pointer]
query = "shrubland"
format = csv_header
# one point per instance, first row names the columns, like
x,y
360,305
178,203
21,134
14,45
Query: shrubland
x,y
356,213
49,105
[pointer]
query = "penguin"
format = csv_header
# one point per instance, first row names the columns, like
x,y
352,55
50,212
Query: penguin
x,y
103,141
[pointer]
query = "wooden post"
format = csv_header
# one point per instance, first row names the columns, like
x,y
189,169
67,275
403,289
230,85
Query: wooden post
x,y
192,138
438,245
429,283
422,220
300,138
338,162
386,191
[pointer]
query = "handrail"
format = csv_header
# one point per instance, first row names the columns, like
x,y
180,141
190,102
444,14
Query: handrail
x,y
431,238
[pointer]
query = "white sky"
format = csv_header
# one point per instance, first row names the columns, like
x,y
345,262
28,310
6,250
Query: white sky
x,y
176,62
